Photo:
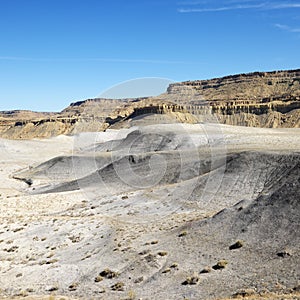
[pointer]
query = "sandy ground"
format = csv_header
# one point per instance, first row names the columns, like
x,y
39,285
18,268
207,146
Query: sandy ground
x,y
143,203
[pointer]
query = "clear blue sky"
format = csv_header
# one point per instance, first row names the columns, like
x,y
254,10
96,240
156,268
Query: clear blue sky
x,y
53,52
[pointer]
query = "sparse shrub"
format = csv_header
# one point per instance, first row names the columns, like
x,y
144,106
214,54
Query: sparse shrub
x,y
174,265
166,270
205,270
98,278
154,242
144,252
191,280
12,249
107,273
221,264
138,280
52,288
52,261
150,257
131,295
18,229
236,245
244,293
162,253
22,294
119,286
182,234
75,239
73,286
284,253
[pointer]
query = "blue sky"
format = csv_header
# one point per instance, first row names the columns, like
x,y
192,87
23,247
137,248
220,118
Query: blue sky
x,y
53,52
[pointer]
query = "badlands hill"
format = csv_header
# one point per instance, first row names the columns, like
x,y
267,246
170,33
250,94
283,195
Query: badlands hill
x,y
259,99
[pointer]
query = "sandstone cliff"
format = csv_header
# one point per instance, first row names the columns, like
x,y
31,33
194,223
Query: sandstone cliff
x,y
259,99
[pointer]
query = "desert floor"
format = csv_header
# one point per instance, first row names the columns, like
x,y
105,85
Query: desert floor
x,y
151,212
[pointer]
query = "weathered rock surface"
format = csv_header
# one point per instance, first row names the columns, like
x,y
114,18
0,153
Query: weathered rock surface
x,y
259,99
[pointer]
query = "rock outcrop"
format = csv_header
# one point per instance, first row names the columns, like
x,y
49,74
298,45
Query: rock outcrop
x,y
259,99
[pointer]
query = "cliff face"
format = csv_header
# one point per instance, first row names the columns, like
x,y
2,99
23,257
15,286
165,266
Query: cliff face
x,y
257,99
260,99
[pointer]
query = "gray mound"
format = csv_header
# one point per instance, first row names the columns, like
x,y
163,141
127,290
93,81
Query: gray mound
x,y
142,141
125,173
63,168
268,227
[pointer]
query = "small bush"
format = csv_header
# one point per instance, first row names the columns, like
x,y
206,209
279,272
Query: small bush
x,y
131,295
150,258
284,253
98,278
154,242
138,280
221,264
119,286
244,293
174,265
191,280
73,286
166,270
182,233
109,274
205,270
162,253
236,245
